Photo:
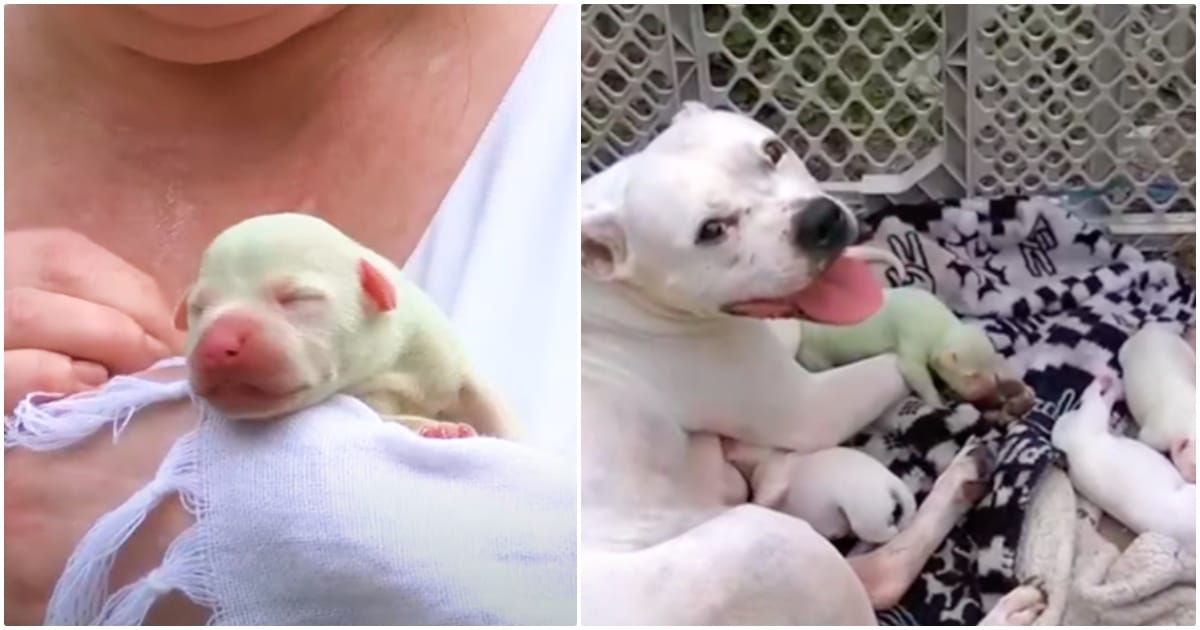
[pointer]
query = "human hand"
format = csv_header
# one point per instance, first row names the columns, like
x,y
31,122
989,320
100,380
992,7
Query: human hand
x,y
75,314
51,499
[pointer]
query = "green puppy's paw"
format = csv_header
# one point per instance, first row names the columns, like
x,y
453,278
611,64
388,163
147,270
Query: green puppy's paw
x,y
933,399
916,375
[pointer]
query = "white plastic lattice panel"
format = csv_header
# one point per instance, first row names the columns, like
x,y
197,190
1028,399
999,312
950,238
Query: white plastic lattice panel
x,y
630,89
909,102
1094,98
854,89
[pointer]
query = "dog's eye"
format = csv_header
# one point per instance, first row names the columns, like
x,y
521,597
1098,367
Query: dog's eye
x,y
711,231
299,297
774,149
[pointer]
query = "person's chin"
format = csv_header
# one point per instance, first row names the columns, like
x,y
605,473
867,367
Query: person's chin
x,y
205,16
204,34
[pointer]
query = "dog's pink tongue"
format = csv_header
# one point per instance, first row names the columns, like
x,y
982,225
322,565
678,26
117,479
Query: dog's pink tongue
x,y
845,293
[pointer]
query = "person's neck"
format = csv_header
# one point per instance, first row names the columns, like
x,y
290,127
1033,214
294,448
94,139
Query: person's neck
x,y
365,119
319,82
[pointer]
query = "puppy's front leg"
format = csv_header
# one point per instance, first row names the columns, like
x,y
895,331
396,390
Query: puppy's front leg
x,y
831,406
485,410
916,374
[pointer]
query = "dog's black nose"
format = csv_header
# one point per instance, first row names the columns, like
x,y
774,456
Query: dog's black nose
x,y
821,227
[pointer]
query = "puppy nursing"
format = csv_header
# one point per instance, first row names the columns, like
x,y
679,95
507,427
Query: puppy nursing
x,y
838,491
1124,477
1160,388
287,311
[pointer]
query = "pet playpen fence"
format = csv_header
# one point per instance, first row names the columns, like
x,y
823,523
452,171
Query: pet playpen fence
x,y
1096,103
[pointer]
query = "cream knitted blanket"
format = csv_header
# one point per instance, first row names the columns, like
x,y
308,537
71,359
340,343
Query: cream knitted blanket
x,y
1089,579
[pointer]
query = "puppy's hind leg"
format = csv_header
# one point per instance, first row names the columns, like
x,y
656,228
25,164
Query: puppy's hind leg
x,y
428,428
484,409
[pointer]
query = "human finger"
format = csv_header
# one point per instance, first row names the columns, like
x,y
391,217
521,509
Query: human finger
x,y
41,320
28,371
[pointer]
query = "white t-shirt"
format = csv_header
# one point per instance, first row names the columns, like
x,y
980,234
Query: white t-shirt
x,y
501,254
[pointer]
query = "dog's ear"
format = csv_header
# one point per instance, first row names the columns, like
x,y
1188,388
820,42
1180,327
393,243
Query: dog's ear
x,y
688,109
181,311
604,248
946,359
377,289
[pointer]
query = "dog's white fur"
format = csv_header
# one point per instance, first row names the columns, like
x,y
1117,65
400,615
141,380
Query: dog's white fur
x,y
1122,476
1159,369
667,535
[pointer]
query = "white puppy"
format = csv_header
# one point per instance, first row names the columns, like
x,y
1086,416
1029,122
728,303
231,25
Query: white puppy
x,y
838,491
1124,477
685,247
1160,389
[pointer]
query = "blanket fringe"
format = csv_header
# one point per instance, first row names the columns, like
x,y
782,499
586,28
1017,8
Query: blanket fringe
x,y
79,595
42,423
185,568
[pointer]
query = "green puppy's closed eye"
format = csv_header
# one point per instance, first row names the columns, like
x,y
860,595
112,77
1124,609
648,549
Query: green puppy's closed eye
x,y
300,296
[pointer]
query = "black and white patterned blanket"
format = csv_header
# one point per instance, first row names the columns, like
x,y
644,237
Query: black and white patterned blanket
x,y
1055,295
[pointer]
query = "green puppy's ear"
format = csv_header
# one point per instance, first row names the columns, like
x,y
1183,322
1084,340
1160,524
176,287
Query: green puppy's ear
x,y
181,311
946,359
376,287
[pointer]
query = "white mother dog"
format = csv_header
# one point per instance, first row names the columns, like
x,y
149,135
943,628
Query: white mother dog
x,y
686,247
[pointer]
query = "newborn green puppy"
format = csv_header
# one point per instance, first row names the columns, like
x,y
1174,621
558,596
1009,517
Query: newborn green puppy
x,y
922,332
287,310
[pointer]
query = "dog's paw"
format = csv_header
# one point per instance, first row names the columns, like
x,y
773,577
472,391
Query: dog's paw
x,y
1019,607
1035,582
1021,401
996,417
1012,400
971,471
447,431
1058,458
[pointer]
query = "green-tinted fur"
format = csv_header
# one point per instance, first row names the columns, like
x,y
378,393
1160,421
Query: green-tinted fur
x,y
915,325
